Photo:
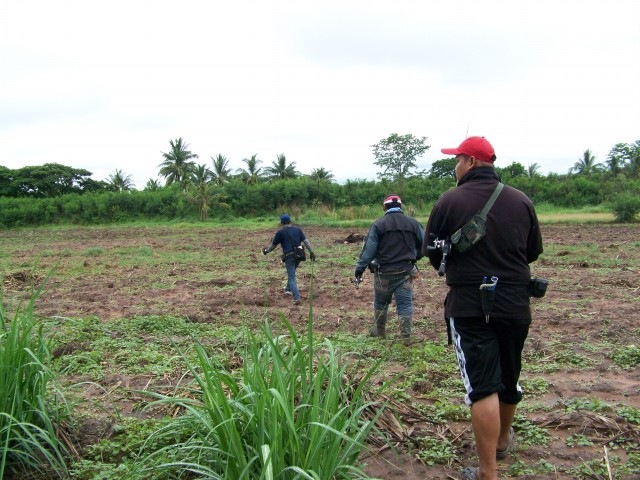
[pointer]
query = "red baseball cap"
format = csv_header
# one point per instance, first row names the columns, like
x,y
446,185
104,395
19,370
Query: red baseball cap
x,y
477,147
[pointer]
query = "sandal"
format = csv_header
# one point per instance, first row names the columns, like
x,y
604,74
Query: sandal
x,y
469,473
510,448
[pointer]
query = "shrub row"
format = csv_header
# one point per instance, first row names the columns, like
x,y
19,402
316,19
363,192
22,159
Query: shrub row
x,y
242,200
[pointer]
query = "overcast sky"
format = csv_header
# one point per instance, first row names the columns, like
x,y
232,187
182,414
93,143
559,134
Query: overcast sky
x,y
104,85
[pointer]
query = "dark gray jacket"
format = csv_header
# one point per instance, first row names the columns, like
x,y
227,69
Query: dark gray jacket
x,y
394,241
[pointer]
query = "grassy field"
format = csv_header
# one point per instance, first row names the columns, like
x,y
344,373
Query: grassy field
x,y
136,312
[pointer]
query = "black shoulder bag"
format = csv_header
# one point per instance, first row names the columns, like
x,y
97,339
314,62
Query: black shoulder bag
x,y
467,236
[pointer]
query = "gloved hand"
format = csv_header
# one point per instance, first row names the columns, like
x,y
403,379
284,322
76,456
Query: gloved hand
x,y
359,273
312,256
264,251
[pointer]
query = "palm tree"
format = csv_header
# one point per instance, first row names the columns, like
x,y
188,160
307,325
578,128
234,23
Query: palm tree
x,y
178,165
220,173
614,162
200,174
152,185
321,173
533,170
119,181
280,170
200,191
253,172
585,165
321,176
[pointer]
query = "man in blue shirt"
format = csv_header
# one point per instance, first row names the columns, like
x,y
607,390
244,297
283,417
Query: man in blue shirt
x,y
290,237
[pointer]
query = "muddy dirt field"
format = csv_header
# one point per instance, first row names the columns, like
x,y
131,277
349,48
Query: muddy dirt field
x,y
218,275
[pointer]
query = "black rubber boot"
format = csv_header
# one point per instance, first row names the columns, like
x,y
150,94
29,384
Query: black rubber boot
x,y
405,330
379,329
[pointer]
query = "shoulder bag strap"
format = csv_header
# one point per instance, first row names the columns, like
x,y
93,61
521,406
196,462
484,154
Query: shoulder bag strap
x,y
492,199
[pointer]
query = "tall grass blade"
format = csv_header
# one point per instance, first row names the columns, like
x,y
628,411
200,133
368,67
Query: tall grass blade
x,y
31,406
287,414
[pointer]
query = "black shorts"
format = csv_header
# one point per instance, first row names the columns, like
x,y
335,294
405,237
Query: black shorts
x,y
490,356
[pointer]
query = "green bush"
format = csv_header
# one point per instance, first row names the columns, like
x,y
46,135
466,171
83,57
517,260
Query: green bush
x,y
625,207
270,198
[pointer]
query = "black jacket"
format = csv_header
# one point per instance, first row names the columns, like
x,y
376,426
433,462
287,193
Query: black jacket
x,y
513,240
394,241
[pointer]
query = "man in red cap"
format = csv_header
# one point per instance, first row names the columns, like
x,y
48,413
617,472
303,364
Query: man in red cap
x,y
488,339
391,249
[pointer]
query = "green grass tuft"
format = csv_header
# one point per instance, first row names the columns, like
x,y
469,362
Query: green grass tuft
x,y
31,407
287,413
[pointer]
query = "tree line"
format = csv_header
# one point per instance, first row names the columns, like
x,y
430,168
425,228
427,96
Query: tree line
x,y
54,193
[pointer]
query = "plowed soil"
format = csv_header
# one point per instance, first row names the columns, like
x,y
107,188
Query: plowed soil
x,y
586,303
